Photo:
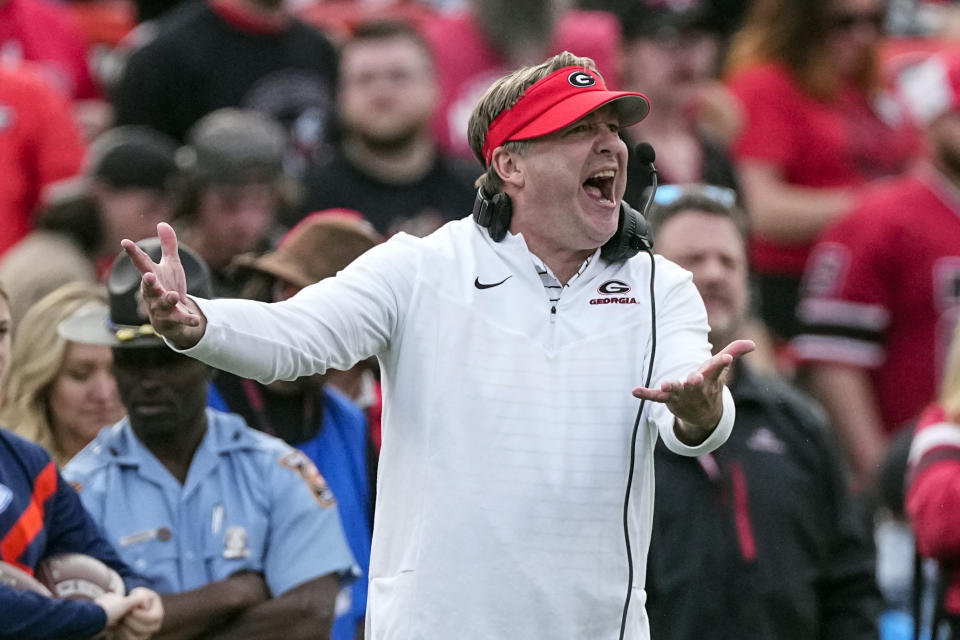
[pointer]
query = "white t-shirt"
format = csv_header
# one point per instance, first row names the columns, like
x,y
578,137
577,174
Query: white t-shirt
x,y
506,426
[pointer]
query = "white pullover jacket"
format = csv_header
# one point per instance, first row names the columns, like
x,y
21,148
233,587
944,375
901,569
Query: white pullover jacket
x,y
506,425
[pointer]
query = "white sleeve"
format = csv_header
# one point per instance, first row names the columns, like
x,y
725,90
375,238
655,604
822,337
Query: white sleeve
x,y
682,346
333,323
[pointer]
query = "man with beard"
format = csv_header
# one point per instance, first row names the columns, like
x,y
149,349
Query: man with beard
x,y
760,534
387,165
238,531
882,286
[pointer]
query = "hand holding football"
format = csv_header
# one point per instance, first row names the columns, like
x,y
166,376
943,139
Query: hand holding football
x,y
75,576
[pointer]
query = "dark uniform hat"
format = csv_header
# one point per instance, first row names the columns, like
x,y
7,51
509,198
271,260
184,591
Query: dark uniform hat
x,y
125,324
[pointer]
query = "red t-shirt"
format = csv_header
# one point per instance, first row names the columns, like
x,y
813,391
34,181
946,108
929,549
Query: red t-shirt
x,y
467,65
45,33
882,291
843,143
39,144
933,495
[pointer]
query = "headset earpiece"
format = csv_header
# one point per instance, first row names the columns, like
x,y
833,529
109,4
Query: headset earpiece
x,y
632,236
494,213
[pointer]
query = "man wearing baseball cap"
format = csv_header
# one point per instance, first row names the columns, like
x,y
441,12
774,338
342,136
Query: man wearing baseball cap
x,y
236,530
509,343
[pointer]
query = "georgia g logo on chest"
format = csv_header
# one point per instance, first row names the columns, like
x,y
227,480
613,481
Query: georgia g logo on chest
x,y
614,292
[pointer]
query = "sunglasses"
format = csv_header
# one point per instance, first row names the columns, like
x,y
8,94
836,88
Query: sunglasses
x,y
848,21
667,194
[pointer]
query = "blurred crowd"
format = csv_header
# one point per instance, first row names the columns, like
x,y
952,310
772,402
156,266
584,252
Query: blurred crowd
x,y
809,159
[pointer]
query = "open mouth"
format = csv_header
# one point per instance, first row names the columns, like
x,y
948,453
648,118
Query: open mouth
x,y
599,186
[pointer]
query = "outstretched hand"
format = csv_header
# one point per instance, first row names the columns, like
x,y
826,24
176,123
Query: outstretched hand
x,y
164,291
697,401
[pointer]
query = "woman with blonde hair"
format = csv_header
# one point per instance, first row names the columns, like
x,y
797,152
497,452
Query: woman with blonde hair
x,y
28,479
60,393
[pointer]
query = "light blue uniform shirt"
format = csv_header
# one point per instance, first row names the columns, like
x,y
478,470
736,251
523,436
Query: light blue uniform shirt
x,y
250,502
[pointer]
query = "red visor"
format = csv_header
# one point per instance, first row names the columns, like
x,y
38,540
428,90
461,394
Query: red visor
x,y
560,99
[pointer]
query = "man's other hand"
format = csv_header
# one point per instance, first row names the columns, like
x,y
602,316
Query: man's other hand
x,y
164,290
697,402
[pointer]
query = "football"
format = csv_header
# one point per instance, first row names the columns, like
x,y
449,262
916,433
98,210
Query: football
x,y
19,579
75,576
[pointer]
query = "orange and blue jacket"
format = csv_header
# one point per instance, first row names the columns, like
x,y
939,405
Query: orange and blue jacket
x,y
41,515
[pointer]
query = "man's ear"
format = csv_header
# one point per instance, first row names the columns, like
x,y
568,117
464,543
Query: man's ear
x,y
507,166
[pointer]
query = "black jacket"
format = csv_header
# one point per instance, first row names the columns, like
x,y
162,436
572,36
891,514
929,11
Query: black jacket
x,y
765,544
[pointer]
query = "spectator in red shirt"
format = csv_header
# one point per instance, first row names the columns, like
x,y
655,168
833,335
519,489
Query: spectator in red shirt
x,y
817,125
39,144
45,33
881,293
933,492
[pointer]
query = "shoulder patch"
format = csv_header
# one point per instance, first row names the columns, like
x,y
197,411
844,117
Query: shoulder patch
x,y
298,462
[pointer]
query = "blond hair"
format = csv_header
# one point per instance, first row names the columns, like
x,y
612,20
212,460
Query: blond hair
x,y
38,354
502,95
950,387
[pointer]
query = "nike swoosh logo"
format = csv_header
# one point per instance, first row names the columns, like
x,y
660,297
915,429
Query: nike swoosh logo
x,y
481,285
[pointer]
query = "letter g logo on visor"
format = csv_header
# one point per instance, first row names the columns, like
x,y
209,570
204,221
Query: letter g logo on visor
x,y
581,79
553,102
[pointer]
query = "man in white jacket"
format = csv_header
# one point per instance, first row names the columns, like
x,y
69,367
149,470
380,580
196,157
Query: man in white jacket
x,y
508,344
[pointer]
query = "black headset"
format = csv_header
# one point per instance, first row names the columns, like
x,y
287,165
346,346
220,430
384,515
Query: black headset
x,y
495,212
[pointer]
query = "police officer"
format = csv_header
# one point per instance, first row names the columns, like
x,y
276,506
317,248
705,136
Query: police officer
x,y
238,530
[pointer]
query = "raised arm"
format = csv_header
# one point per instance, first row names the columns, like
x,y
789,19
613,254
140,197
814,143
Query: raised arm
x,y
788,213
164,289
